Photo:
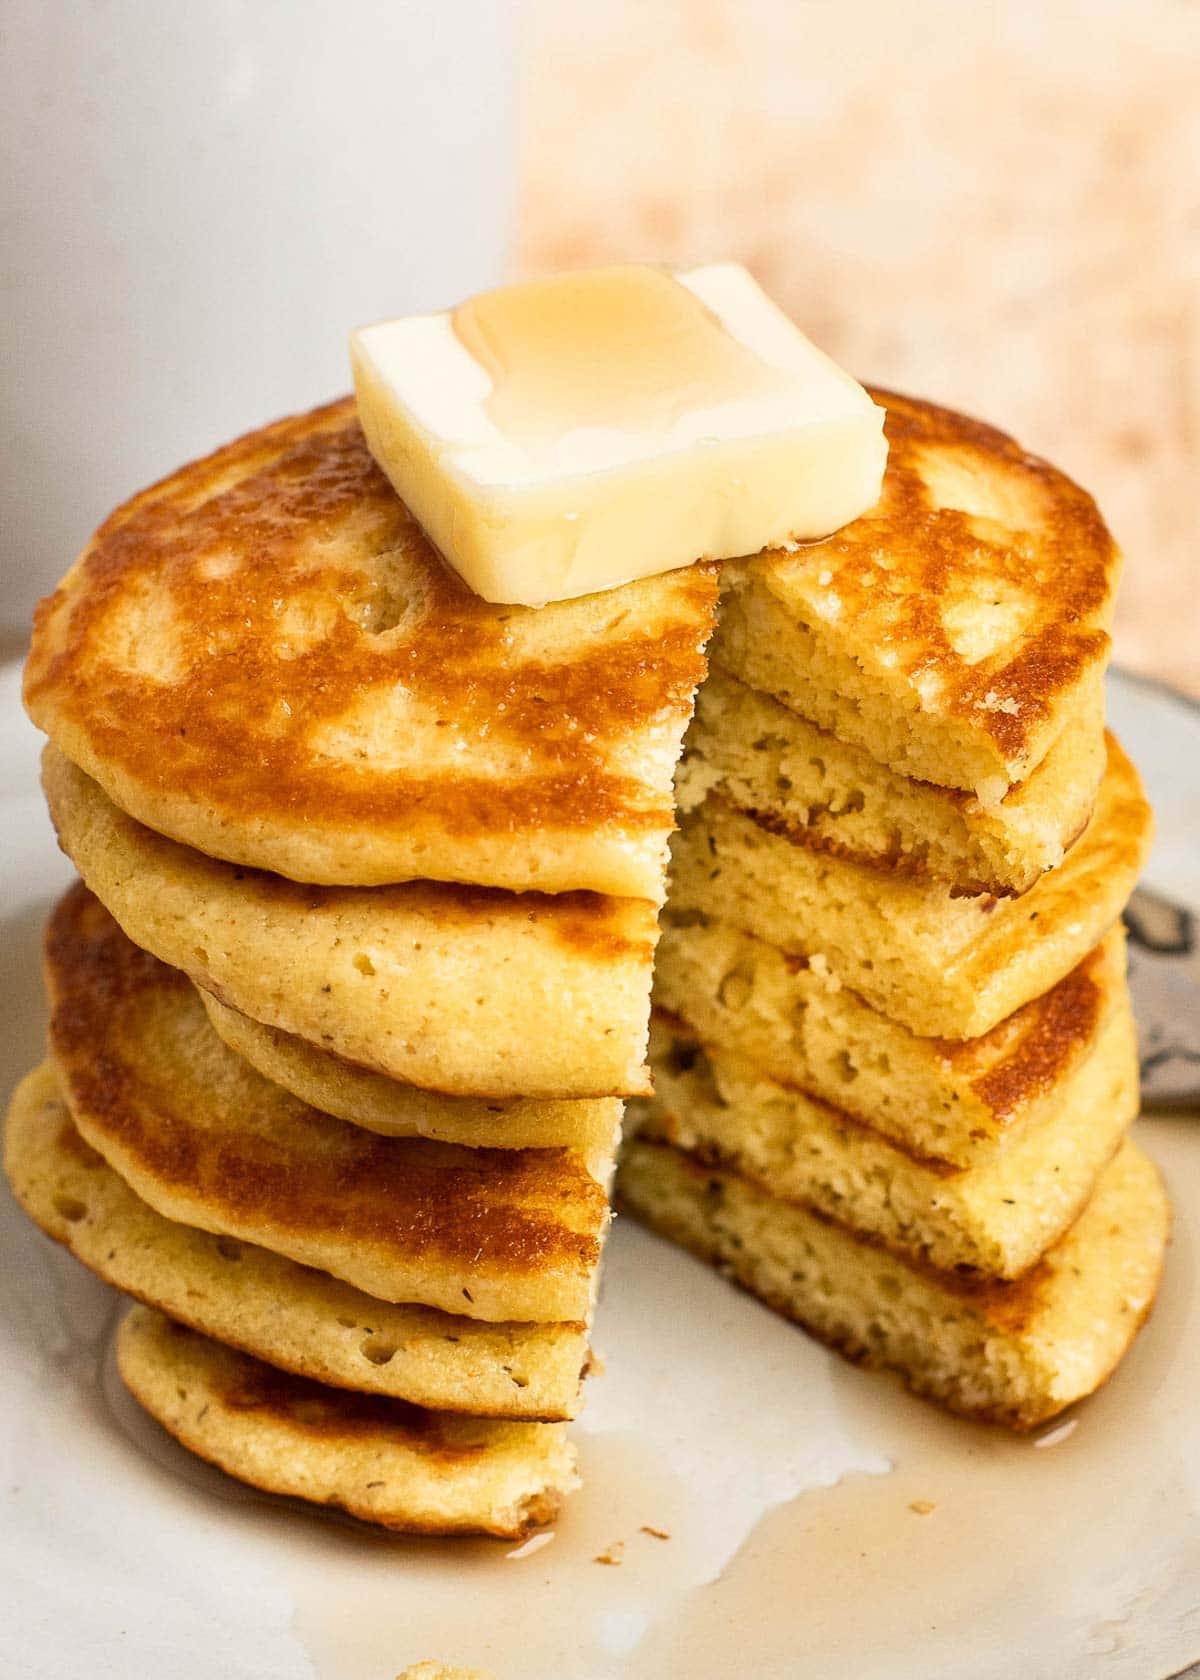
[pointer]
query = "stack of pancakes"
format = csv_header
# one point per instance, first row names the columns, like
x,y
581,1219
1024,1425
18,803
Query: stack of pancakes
x,y
893,1049
358,972
356,977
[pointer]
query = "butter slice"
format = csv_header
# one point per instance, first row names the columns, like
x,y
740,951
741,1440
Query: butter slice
x,y
569,435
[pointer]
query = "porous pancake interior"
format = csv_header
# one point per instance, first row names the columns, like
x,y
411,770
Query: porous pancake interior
x,y
953,1101
996,1217
264,658
431,984
1011,1353
951,630
381,1460
833,796
396,1110
291,1316
492,1234
945,966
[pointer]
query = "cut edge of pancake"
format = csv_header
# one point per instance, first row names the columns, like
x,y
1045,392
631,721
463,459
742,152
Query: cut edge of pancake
x,y
952,1100
973,962
834,796
993,1219
1014,1354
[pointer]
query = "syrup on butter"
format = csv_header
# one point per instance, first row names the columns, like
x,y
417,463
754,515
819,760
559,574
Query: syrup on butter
x,y
622,349
570,435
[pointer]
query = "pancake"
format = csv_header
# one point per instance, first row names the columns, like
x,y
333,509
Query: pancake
x,y
995,1218
1007,1353
382,1461
440,1671
764,758
953,1101
291,1316
466,991
944,966
262,657
192,1129
954,629
384,1105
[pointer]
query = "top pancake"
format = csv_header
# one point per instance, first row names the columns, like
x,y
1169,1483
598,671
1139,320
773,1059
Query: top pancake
x,y
954,629
263,657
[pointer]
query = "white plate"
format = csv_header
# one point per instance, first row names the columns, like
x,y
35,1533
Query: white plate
x,y
784,1478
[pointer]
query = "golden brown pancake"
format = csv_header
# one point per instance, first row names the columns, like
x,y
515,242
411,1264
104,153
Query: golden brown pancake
x,y
441,1671
494,1234
382,1461
295,1317
1008,1353
384,1105
469,991
944,966
262,656
953,629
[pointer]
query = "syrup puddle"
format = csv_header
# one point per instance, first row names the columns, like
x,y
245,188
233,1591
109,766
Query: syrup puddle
x,y
658,1457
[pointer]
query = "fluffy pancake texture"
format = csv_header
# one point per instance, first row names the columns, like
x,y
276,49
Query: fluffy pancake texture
x,y
385,1462
1010,1353
440,1671
385,1105
262,657
493,1234
943,965
467,991
291,1316
764,758
995,1218
953,629
952,1101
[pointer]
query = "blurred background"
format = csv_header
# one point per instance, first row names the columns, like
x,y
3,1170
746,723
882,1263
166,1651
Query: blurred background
x,y
997,206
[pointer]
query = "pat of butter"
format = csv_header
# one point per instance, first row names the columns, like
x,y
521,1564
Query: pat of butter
x,y
568,435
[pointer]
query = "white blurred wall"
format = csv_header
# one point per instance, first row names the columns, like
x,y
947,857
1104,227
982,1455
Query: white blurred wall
x,y
200,198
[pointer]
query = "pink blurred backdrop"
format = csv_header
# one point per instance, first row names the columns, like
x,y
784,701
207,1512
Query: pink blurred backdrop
x,y
997,206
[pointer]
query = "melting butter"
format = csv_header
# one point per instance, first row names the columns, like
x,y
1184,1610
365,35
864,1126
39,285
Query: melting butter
x,y
569,435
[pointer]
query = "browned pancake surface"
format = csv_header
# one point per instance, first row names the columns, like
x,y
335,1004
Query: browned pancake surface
x,y
382,1460
263,656
495,1234
971,605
